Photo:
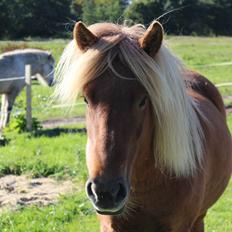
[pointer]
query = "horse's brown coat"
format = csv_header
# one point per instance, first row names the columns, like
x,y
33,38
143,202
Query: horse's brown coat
x,y
165,203
120,138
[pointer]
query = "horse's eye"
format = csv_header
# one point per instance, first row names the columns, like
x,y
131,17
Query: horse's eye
x,y
85,100
142,101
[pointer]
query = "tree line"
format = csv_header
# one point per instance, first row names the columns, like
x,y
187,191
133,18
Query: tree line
x,y
55,18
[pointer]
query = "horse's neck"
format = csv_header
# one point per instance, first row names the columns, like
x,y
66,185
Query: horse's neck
x,y
27,60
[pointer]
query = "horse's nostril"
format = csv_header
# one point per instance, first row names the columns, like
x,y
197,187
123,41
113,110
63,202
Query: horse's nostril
x,y
121,194
89,189
106,195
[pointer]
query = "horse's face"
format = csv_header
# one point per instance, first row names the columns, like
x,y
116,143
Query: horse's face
x,y
116,113
47,68
118,116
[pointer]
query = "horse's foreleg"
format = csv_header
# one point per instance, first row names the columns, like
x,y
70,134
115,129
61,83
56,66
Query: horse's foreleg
x,y
8,105
3,111
199,224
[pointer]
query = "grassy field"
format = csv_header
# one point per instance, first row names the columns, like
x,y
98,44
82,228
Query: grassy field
x,y
60,153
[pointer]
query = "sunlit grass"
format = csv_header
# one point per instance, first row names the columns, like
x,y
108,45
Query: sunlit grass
x,y
48,154
72,213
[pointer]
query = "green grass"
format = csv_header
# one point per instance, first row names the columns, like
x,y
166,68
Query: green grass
x,y
219,216
71,214
61,155
43,108
229,122
198,52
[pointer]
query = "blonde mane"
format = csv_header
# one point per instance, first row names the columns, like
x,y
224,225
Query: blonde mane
x,y
178,133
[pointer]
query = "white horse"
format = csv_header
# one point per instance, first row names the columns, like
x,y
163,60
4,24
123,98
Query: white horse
x,y
12,66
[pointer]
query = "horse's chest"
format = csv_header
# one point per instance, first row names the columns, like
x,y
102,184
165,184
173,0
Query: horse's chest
x,y
139,223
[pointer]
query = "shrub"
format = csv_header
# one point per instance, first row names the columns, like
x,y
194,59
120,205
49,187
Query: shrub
x,y
18,123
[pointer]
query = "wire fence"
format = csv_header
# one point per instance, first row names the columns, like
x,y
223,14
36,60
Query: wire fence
x,y
213,65
224,84
12,79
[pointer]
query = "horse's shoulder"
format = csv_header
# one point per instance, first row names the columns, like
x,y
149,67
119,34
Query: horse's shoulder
x,y
204,87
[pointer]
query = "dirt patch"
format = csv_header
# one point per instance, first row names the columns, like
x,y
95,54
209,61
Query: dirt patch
x,y
229,97
55,122
22,191
229,110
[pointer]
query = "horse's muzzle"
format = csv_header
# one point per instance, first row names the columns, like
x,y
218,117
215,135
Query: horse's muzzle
x,y
107,197
51,82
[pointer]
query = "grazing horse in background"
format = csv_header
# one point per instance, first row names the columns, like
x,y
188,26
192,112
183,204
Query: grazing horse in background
x,y
12,64
159,152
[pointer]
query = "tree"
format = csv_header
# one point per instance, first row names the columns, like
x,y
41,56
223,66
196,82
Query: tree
x,y
4,18
103,10
145,11
48,18
76,8
37,18
185,17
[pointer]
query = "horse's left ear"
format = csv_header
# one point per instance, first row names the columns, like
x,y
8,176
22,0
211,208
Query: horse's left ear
x,y
152,39
83,36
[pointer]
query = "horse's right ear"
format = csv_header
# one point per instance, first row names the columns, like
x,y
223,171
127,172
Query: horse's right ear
x,y
83,36
152,39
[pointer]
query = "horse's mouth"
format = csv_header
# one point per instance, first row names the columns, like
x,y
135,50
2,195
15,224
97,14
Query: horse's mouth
x,y
107,200
110,212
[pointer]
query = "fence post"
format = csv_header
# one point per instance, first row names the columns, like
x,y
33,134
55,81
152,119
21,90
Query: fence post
x,y
28,96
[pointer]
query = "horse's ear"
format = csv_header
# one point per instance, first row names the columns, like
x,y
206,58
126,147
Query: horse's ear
x,y
152,39
83,36
49,55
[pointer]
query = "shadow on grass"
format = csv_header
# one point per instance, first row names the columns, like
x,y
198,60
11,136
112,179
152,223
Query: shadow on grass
x,y
54,132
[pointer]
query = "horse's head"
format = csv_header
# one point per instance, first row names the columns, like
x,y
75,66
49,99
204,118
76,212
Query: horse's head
x,y
46,68
117,112
118,116
137,106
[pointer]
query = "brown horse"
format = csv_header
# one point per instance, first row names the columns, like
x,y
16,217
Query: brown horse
x,y
159,153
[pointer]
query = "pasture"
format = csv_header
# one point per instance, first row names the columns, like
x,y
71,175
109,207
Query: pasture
x,y
60,153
